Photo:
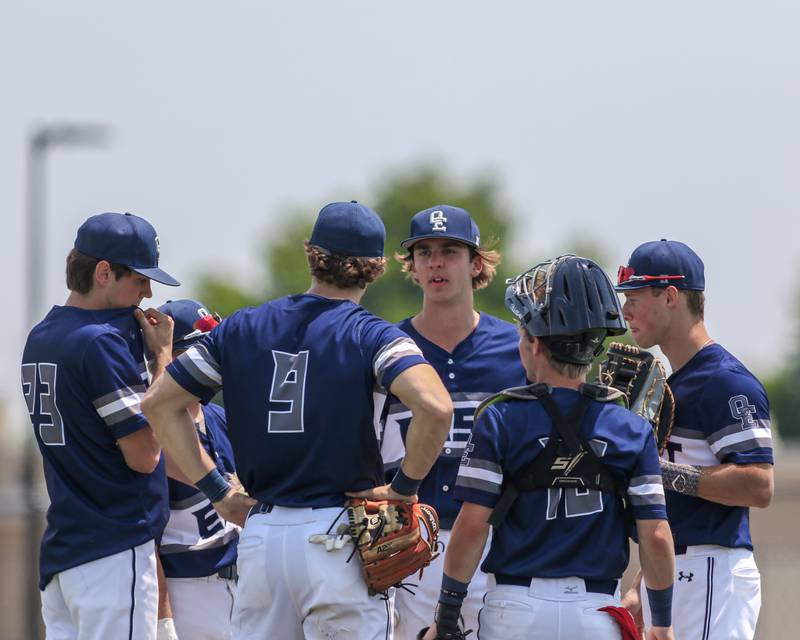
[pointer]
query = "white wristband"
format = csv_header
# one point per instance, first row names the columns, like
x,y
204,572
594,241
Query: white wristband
x,y
166,630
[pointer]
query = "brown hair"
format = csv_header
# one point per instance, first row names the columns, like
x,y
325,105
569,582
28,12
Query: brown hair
x,y
571,370
490,260
695,300
341,271
80,271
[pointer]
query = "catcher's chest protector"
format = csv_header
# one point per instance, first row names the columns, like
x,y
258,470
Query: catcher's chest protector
x,y
568,459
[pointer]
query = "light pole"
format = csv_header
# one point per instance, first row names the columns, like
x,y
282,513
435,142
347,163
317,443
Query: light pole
x,y
41,140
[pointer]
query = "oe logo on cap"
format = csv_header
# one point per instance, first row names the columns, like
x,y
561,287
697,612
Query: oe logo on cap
x,y
438,220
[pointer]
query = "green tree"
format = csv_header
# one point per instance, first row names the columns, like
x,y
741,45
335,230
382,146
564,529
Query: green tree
x,y
398,196
782,389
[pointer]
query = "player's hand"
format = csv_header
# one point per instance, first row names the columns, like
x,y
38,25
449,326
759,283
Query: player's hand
x,y
384,492
430,634
157,332
660,633
632,601
235,506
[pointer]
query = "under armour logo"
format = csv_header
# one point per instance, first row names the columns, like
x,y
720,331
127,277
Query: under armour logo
x,y
158,249
571,590
437,220
685,576
741,409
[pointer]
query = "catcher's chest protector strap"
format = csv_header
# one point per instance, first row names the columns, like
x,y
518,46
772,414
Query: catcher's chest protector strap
x,y
568,461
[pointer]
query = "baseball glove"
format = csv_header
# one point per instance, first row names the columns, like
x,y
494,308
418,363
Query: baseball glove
x,y
643,380
389,539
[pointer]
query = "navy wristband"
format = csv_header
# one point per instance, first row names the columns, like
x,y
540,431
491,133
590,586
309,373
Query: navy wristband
x,y
453,591
404,485
660,606
213,485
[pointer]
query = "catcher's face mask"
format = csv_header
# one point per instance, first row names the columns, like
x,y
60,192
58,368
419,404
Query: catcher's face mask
x,y
529,292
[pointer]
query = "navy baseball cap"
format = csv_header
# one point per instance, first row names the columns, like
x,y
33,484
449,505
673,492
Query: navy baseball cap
x,y
349,229
126,240
662,263
443,221
192,322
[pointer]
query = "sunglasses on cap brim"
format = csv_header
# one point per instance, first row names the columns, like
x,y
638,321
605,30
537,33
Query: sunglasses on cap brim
x,y
202,326
627,274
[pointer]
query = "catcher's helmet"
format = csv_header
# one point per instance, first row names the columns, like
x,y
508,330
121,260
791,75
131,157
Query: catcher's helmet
x,y
192,322
570,303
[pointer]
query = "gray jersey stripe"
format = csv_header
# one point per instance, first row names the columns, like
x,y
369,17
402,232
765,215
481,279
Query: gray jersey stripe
x,y
735,428
102,401
180,548
395,406
123,414
648,500
689,434
480,485
194,371
391,353
477,463
746,445
640,480
177,505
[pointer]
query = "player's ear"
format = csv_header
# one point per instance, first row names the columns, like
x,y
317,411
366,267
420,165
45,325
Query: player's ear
x,y
102,272
477,263
672,297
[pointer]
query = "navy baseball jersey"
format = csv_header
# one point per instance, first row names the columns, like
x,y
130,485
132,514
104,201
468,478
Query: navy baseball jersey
x,y
556,533
721,415
83,377
484,363
196,541
299,375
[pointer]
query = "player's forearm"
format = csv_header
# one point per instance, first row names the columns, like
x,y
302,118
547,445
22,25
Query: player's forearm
x,y
177,434
421,390
730,484
158,365
656,553
164,605
165,405
735,485
175,473
426,436
467,541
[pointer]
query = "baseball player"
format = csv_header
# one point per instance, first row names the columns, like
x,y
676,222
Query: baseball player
x,y
198,548
548,465
719,458
474,354
83,377
298,376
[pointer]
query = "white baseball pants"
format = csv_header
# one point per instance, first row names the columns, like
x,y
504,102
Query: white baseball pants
x,y
549,609
415,612
292,589
113,597
717,594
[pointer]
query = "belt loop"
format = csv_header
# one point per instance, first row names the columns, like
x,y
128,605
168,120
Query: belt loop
x,y
228,573
259,508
